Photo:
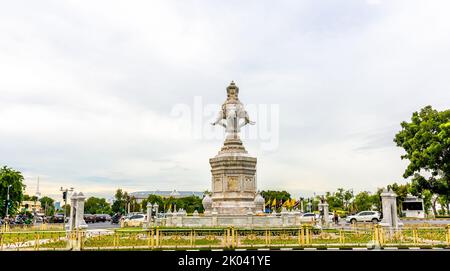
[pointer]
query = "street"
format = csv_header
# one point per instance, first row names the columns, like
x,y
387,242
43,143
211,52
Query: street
x,y
102,225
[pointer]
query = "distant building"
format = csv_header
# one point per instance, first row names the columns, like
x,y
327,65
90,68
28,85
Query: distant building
x,y
141,195
57,205
29,205
413,207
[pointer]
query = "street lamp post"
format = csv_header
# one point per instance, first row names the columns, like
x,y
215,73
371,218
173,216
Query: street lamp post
x,y
65,190
149,213
7,200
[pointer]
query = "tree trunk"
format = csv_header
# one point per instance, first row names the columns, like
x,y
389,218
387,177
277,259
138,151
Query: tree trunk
x,y
433,206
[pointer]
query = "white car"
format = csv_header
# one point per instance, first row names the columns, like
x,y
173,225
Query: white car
x,y
308,217
364,216
135,220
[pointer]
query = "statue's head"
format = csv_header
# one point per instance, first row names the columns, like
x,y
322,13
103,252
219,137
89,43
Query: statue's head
x,y
232,91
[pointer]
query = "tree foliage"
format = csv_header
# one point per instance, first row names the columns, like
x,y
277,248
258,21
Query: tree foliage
x,y
95,205
426,141
119,203
366,201
9,176
277,195
29,198
48,205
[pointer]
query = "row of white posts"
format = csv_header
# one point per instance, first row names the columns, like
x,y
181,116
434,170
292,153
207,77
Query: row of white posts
x,y
76,219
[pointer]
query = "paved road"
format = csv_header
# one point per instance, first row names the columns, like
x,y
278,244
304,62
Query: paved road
x,y
102,225
427,221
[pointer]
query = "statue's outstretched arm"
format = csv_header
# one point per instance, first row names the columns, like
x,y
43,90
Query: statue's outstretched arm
x,y
247,119
219,119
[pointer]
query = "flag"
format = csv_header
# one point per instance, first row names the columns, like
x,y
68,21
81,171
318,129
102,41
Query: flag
x,y
281,202
267,203
286,203
296,203
274,202
292,204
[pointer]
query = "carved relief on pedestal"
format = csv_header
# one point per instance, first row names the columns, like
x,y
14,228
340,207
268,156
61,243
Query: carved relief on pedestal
x,y
233,183
217,185
249,185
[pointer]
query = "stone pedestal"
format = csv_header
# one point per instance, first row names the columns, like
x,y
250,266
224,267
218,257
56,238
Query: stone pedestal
x,y
389,204
76,218
325,219
233,179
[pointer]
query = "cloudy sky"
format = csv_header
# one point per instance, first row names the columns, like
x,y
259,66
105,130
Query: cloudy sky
x,y
105,94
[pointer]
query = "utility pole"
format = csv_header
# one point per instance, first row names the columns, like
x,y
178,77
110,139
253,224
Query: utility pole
x,y
65,190
7,200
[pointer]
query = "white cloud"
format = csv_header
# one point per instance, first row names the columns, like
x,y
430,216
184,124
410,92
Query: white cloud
x,y
87,91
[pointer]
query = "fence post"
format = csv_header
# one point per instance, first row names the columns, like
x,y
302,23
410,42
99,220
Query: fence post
x,y
414,233
302,236
233,237
157,236
376,238
192,238
37,241
448,234
81,239
152,236
381,235
307,236
225,238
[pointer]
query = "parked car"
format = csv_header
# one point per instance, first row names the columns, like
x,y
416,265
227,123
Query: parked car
x,y
135,220
308,217
364,216
57,218
38,219
115,219
88,218
102,217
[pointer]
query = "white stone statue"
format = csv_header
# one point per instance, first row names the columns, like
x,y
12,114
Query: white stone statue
x,y
232,112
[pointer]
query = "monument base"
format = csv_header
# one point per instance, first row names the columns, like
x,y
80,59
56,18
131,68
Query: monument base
x,y
233,180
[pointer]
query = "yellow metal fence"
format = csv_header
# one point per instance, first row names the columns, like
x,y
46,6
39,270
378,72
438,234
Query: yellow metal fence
x,y
225,238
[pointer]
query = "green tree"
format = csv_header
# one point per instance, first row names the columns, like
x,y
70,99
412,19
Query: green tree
x,y
95,205
426,141
48,205
401,191
443,200
279,196
67,207
119,203
153,199
29,198
427,200
14,179
365,201
348,196
190,204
